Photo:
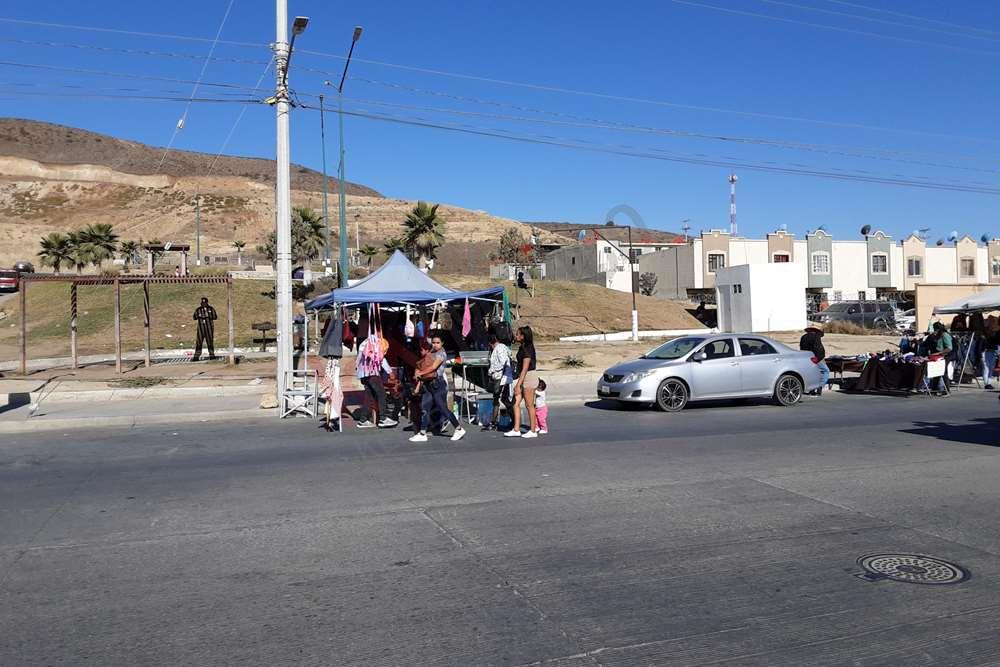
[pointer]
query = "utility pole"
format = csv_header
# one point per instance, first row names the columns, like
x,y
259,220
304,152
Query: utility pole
x,y
282,193
732,204
631,273
197,229
327,261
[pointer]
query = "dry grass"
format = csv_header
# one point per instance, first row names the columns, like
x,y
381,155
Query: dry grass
x,y
849,328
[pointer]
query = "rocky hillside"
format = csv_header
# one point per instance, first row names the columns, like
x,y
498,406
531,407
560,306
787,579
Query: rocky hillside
x,y
55,178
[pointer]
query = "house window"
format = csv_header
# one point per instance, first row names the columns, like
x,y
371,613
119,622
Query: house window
x,y
996,267
607,250
716,261
781,258
572,260
880,263
838,295
737,289
968,268
821,263
914,267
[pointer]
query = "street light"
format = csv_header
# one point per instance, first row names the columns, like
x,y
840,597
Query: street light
x,y
282,192
340,169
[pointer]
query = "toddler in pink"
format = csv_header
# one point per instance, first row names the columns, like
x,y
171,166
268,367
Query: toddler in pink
x,y
541,408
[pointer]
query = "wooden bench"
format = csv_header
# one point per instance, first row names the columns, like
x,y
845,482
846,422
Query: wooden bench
x,y
263,328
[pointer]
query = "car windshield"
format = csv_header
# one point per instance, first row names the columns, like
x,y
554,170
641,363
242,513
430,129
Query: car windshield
x,y
674,349
838,307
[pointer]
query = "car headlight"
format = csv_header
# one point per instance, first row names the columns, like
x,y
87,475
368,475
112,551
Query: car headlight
x,y
636,376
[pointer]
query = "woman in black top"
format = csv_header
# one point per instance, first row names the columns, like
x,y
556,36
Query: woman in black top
x,y
525,383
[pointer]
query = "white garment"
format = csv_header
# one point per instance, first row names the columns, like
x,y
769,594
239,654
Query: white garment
x,y
539,398
500,365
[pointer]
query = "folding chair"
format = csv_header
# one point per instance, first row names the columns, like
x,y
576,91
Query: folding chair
x,y
301,393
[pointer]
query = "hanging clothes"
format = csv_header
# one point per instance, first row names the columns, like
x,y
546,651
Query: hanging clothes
x,y
466,320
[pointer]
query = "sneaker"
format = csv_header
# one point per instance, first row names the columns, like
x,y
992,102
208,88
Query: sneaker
x,y
543,431
386,422
529,434
458,434
513,433
418,437
365,424
988,386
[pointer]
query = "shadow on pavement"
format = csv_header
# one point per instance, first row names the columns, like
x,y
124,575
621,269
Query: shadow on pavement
x,y
615,406
985,431
16,400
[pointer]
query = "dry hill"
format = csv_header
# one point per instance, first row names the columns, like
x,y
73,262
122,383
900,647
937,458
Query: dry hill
x,y
55,178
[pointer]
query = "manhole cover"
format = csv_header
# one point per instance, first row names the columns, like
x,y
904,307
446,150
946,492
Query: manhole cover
x,y
913,569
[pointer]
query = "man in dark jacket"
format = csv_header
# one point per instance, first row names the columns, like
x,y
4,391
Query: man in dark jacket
x,y
812,341
205,316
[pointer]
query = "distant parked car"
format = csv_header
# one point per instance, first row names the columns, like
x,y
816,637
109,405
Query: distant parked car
x,y
906,320
8,281
879,315
696,368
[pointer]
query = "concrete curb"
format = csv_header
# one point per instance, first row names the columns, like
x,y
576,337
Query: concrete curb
x,y
39,424
100,395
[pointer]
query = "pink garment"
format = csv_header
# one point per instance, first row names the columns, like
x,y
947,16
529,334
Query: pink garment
x,y
466,320
542,415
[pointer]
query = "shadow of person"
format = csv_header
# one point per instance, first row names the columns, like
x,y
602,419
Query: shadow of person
x,y
982,431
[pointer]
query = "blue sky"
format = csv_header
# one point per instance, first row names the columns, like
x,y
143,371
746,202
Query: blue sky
x,y
927,99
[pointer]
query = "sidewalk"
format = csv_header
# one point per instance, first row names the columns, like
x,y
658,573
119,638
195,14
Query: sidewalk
x,y
139,412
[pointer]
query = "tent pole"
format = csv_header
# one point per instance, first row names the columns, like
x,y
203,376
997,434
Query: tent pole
x,y
73,322
118,326
24,325
231,324
145,322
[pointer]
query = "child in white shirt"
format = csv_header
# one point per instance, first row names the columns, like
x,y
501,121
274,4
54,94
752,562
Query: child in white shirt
x,y
541,408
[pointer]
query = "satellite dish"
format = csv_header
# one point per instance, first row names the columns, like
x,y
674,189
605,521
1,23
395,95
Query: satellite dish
x,y
953,236
940,242
783,228
582,234
821,228
915,232
866,230
985,238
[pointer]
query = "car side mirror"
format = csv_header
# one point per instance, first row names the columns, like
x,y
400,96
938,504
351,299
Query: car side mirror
x,y
700,356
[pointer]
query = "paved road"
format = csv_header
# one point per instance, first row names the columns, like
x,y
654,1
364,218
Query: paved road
x,y
725,534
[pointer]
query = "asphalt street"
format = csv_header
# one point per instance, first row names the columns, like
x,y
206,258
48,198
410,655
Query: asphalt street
x,y
728,533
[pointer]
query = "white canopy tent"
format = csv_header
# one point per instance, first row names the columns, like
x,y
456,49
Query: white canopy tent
x,y
981,302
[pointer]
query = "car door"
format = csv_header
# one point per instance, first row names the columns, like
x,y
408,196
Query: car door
x,y
718,374
759,365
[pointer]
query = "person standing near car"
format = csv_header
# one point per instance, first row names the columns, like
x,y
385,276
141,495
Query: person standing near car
x,y
812,341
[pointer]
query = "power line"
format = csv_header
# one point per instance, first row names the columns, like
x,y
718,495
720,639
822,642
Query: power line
x,y
128,51
897,24
825,26
613,124
899,180
131,33
531,86
125,96
123,75
912,16
194,91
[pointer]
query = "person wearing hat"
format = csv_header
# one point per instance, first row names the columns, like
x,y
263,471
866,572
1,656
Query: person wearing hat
x,y
812,341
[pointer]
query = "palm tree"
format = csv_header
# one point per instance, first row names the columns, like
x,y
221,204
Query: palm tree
x,y
129,250
56,251
424,231
82,251
392,244
308,238
369,252
239,245
102,241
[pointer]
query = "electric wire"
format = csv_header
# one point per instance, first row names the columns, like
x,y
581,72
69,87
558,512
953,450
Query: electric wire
x,y
194,91
122,75
896,24
900,180
826,26
911,16
131,33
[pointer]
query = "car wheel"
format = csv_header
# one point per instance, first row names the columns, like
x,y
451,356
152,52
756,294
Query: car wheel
x,y
882,326
788,390
671,395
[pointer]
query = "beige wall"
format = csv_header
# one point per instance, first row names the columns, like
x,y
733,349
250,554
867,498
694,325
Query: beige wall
x,y
929,296
780,242
712,242
914,246
966,249
993,253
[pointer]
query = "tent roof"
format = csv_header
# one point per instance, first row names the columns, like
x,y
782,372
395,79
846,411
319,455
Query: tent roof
x,y
396,282
988,300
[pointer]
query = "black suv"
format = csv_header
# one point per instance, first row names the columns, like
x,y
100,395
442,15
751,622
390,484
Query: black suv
x,y
879,315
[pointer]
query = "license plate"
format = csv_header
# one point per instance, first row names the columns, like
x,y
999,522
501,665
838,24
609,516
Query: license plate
x,y
603,390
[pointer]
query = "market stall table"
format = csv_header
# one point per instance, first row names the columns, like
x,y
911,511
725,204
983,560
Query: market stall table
x,y
890,375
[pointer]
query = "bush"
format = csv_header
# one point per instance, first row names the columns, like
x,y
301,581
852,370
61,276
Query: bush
x,y
647,283
849,328
572,361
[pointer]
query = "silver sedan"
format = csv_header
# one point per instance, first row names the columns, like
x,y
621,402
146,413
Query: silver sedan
x,y
697,368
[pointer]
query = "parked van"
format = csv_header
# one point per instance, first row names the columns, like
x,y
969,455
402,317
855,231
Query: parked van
x,y
879,315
